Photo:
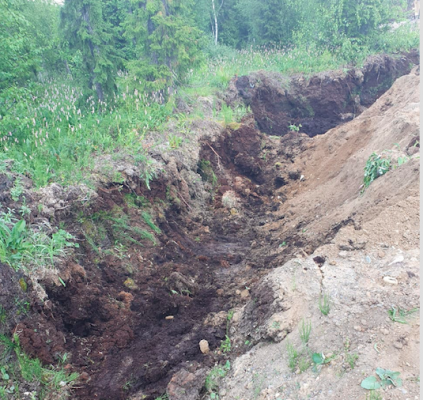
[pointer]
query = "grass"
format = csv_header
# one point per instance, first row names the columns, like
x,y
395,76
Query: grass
x,y
305,330
147,219
303,364
292,356
18,370
24,248
54,132
400,315
324,304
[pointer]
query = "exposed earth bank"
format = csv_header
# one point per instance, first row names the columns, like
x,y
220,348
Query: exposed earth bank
x,y
239,236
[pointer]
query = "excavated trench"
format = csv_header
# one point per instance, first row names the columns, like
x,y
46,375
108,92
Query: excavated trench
x,y
131,319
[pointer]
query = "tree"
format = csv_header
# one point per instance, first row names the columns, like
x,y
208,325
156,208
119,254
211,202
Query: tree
x,y
165,42
86,30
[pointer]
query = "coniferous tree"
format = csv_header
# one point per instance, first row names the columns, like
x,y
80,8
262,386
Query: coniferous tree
x,y
164,40
85,29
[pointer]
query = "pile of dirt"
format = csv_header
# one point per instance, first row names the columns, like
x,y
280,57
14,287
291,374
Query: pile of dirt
x,y
158,269
322,101
369,269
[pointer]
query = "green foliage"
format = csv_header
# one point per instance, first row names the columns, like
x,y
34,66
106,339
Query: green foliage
x,y
225,346
205,169
400,315
324,304
21,247
165,42
292,356
386,378
294,128
376,166
162,397
147,219
305,330
351,359
18,367
175,141
218,372
87,31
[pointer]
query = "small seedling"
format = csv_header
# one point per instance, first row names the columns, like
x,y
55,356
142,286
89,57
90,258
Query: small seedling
x,y
386,378
276,325
212,379
351,359
292,356
225,345
294,128
400,315
376,166
305,330
324,304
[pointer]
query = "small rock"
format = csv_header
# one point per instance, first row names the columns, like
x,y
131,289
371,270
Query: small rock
x,y
358,328
84,376
390,280
169,317
398,345
343,254
363,322
204,346
238,292
384,331
381,254
244,294
219,292
399,258
332,262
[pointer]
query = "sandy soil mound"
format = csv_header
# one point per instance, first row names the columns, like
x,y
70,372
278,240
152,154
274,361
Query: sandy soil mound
x,y
369,270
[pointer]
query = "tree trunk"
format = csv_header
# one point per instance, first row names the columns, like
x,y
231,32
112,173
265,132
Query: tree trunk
x,y
216,27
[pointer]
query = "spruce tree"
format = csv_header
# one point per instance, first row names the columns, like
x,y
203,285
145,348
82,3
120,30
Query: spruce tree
x,y
86,30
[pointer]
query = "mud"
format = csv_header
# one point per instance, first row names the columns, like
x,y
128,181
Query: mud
x,y
132,313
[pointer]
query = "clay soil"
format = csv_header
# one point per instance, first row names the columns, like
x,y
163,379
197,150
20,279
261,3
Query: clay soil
x,y
258,224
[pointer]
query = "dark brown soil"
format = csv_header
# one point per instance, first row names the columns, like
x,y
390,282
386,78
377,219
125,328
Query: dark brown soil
x,y
324,100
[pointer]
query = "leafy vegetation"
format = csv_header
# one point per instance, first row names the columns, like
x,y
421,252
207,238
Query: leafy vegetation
x,y
324,303
18,369
212,380
376,166
400,315
24,248
386,378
